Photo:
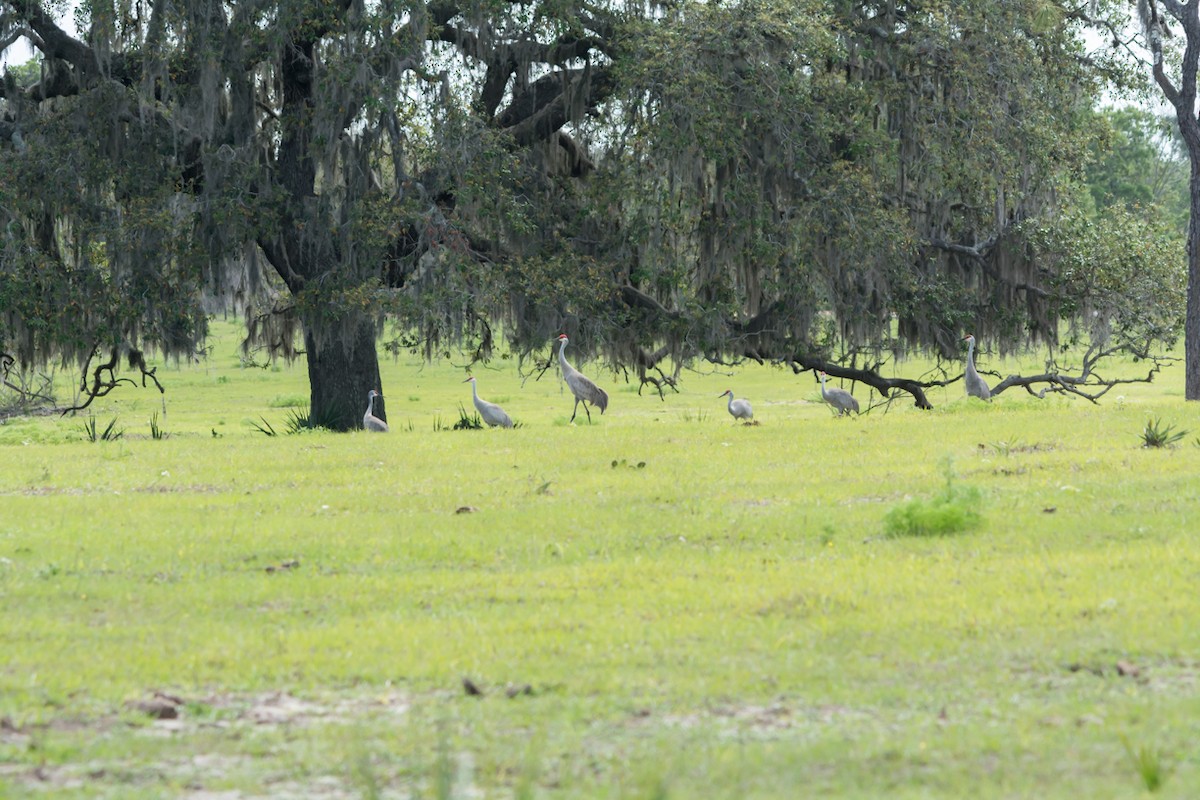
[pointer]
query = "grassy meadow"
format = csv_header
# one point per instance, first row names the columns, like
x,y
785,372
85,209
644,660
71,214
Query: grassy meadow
x,y
663,604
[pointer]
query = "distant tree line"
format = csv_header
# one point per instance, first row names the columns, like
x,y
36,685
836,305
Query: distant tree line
x,y
825,184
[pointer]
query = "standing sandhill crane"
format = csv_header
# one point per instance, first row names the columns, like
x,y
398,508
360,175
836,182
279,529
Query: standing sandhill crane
x,y
491,413
581,386
840,399
370,421
740,409
976,387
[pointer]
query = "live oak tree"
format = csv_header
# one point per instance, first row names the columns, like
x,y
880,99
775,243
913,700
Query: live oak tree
x,y
817,183
266,153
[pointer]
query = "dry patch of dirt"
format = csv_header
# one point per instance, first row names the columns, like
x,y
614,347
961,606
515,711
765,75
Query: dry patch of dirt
x,y
170,715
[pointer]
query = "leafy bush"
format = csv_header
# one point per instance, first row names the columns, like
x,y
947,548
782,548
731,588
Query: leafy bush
x,y
953,510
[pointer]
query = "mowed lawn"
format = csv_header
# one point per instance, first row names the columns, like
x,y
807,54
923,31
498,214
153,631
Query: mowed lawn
x,y
663,603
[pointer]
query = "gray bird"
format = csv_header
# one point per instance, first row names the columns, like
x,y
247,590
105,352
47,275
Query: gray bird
x,y
840,399
491,413
370,421
976,387
582,387
740,409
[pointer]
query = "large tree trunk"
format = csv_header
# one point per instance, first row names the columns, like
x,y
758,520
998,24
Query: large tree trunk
x,y
342,368
1191,321
1183,99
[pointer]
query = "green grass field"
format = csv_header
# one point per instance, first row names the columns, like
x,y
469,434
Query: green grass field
x,y
661,604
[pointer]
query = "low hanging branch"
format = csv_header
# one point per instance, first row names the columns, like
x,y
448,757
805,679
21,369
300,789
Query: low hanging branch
x,y
1087,384
104,377
870,377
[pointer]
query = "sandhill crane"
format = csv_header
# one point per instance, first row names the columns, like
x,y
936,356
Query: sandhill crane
x,y
491,413
976,386
740,409
582,387
840,399
370,421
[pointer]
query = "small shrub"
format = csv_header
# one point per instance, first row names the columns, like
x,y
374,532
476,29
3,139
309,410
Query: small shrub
x,y
265,429
1157,434
953,510
156,432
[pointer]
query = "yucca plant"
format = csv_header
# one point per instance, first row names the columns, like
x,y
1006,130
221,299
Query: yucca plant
x,y
156,431
467,422
110,433
1158,434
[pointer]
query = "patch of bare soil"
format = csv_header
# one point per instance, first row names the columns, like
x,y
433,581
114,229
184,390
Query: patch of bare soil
x,y
175,716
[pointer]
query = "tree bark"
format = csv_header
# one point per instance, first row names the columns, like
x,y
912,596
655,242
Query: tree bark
x,y
1191,320
1183,98
342,368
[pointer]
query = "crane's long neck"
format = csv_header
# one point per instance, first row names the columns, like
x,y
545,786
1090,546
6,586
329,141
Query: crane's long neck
x,y
562,358
971,354
731,402
475,391
823,391
370,405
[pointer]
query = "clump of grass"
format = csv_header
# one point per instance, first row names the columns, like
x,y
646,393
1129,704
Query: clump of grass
x,y
700,416
110,434
265,429
952,510
156,431
467,422
1148,762
1005,447
288,401
1157,434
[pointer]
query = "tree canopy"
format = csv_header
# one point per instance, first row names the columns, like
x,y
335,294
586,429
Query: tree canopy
x,y
824,183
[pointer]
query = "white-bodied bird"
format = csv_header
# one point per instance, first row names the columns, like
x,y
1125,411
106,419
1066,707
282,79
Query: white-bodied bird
x,y
490,413
740,409
581,386
840,399
976,386
370,421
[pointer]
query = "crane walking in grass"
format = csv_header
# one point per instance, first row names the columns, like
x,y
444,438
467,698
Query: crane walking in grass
x,y
581,386
740,409
490,413
976,386
840,399
370,421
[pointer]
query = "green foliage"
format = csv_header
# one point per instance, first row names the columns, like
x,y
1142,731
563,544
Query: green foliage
x,y
1157,434
266,429
156,431
1141,166
1118,279
1148,762
110,433
467,421
954,509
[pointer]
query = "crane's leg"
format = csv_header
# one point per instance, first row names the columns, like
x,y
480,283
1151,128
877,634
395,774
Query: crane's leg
x,y
576,411
589,413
